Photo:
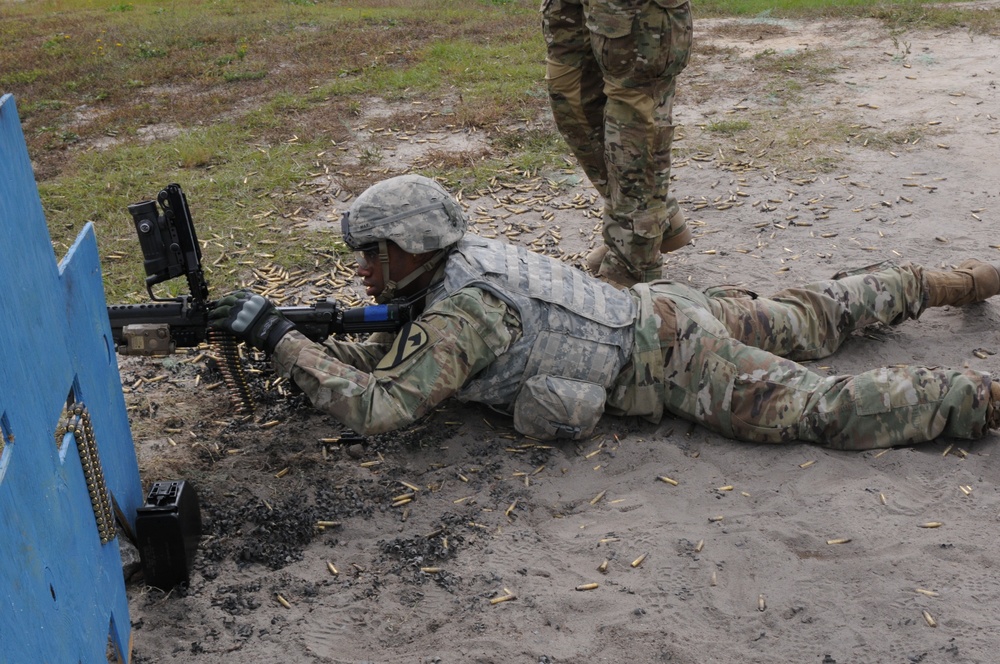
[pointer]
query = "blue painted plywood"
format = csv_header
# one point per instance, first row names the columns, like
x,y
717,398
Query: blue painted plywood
x,y
61,589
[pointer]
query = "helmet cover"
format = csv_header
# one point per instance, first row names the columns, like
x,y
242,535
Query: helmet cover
x,y
413,211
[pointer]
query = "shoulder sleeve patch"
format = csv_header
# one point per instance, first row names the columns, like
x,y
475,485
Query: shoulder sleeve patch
x,y
409,340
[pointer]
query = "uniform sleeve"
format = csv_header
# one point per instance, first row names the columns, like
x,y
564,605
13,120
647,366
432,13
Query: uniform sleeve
x,y
364,355
429,360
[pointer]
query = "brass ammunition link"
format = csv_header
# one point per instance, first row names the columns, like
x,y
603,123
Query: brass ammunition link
x,y
79,424
232,370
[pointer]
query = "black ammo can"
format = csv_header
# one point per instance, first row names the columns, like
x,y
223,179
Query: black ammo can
x,y
167,529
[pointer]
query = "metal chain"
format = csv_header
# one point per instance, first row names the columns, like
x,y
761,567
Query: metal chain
x,y
79,424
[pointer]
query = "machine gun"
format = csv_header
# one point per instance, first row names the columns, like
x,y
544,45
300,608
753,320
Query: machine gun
x,y
170,249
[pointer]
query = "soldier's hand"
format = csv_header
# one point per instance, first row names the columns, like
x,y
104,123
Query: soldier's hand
x,y
251,318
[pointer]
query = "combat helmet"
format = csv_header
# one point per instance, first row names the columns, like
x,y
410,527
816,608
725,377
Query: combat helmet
x,y
415,213
412,211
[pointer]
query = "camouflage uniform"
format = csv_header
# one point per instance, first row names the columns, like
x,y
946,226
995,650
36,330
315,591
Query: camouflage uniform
x,y
723,358
728,360
611,70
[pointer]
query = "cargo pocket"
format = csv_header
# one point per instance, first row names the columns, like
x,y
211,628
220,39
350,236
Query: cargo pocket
x,y
613,40
706,395
871,396
549,407
678,33
767,412
714,398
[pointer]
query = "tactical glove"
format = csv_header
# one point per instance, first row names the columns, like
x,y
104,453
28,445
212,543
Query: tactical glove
x,y
251,318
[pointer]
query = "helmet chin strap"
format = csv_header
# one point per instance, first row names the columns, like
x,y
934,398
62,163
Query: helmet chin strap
x,y
390,287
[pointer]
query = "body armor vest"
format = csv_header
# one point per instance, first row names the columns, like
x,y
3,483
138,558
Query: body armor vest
x,y
572,326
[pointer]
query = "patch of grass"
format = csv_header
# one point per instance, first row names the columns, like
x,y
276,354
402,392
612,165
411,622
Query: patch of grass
x,y
15,78
232,183
769,9
728,127
41,105
371,155
885,140
237,76
146,51
899,14
490,80
525,151
811,66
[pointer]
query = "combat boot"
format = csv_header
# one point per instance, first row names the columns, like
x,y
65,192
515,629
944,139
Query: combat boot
x,y
617,276
993,412
595,258
972,281
610,271
678,234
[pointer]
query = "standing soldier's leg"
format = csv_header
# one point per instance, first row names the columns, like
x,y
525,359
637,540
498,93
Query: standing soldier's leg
x,y
576,86
636,214
640,54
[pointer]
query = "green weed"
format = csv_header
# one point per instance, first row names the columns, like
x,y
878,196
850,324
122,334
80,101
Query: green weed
x,y
728,127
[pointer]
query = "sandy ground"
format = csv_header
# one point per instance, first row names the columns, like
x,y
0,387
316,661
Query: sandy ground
x,y
752,553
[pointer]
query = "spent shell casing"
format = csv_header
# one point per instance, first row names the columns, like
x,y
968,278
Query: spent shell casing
x,y
839,540
664,478
699,546
761,603
587,586
638,561
929,619
931,524
597,498
603,567
333,570
924,591
282,601
502,598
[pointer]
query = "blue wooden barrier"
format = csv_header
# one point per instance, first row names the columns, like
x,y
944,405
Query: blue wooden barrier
x,y
62,594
